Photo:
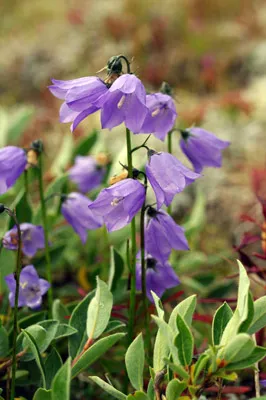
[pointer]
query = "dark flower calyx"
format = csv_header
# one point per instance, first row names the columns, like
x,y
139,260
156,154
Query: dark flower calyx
x,y
37,145
135,173
151,212
166,89
2,208
151,152
151,263
114,65
185,133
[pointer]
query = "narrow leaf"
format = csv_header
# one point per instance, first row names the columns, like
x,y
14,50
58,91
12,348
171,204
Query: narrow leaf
x,y
174,389
220,320
134,360
108,388
61,382
161,351
200,365
34,348
186,309
51,365
259,318
116,269
4,344
258,354
184,342
158,305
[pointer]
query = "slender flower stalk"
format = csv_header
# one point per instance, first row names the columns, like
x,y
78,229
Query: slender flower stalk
x,y
132,265
169,148
45,227
15,315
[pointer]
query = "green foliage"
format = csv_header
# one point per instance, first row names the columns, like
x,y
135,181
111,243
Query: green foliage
x,y
4,345
184,341
174,389
135,358
108,388
61,382
220,320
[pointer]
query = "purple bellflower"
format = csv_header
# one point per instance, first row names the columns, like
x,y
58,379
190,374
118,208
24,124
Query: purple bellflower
x,y
162,235
86,173
159,277
79,216
32,239
13,161
82,97
202,148
161,116
125,102
31,288
119,203
167,176
263,383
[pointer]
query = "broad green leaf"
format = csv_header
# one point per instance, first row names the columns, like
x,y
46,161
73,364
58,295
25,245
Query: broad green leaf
x,y
108,388
4,344
186,309
199,366
238,349
42,394
258,354
174,389
31,343
138,396
161,351
61,382
158,305
64,330
99,310
51,365
245,324
85,145
134,359
177,368
95,352
50,327
259,318
220,320
38,333
116,269
169,334
59,311
78,321
184,342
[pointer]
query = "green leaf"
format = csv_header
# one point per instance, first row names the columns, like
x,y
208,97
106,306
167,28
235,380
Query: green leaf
x,y
30,341
42,394
161,351
78,321
99,310
22,207
258,354
259,318
4,344
137,396
61,382
158,305
113,325
50,327
220,320
116,269
95,352
174,389
200,365
85,145
63,331
197,216
32,319
150,389
169,334
134,359
59,311
38,333
19,122
178,369
238,349
186,309
259,398
245,324
51,365
184,342
108,388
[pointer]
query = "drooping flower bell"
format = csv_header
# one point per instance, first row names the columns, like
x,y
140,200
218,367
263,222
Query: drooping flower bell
x,y
32,237
119,203
31,288
13,161
79,216
82,97
159,277
202,148
124,102
167,176
88,172
161,116
162,235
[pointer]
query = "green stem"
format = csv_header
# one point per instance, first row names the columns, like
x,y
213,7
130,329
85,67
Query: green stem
x,y
15,320
143,284
45,227
26,183
132,266
169,148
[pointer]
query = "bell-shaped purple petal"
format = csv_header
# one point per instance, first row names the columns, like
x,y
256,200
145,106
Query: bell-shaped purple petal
x,y
119,203
202,148
79,216
124,102
31,288
159,277
86,173
13,161
161,116
162,235
32,239
167,176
